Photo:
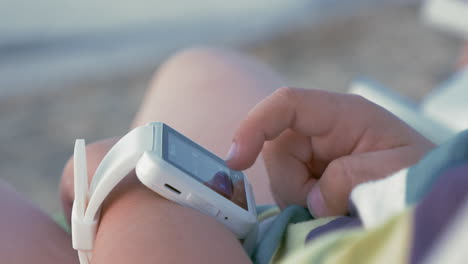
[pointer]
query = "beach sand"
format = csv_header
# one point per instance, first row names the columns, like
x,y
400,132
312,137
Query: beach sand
x,y
38,129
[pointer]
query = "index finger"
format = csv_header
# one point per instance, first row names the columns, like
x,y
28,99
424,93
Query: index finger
x,y
309,112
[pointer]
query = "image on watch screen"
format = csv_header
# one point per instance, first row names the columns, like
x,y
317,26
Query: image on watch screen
x,y
204,166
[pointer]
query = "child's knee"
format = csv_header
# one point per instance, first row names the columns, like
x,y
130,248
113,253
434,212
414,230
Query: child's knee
x,y
208,69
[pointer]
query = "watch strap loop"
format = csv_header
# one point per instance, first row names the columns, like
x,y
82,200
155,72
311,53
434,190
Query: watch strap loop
x,y
83,232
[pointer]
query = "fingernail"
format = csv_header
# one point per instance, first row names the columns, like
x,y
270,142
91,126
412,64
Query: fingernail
x,y
232,151
316,203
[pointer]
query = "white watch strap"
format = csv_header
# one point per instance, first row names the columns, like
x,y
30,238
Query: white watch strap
x,y
118,162
79,228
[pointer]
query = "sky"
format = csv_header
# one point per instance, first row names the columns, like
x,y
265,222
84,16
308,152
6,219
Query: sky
x,y
51,39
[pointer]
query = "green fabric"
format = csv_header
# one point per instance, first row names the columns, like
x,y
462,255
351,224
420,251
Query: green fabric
x,y
320,249
267,211
60,219
386,244
274,235
422,176
296,236
263,208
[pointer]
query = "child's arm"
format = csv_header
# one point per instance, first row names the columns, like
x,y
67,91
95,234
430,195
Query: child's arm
x,y
139,226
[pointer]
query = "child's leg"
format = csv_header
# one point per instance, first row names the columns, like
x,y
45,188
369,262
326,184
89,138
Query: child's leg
x,y
27,235
203,94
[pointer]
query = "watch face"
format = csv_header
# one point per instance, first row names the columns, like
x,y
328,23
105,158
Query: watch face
x,y
203,166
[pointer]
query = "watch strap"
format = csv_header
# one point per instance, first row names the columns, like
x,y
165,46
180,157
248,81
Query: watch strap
x,y
115,166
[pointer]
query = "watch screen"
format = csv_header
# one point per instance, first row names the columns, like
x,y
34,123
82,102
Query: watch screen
x,y
204,166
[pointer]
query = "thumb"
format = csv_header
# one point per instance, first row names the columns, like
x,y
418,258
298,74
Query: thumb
x,y
329,196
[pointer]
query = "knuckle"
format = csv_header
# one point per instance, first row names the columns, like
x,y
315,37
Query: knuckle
x,y
287,94
358,99
361,102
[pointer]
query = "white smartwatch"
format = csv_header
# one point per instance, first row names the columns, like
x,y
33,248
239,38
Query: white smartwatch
x,y
171,165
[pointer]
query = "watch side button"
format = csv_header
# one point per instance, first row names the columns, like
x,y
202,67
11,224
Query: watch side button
x,y
201,205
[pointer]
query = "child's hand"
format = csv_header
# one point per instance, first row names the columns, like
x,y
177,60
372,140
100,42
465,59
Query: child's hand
x,y
322,144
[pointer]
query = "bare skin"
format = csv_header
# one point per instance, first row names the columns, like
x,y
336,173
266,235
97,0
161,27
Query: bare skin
x,y
331,142
316,149
28,235
204,94
318,145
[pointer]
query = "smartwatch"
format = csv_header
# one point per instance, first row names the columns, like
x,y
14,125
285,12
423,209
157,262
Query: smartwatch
x,y
171,165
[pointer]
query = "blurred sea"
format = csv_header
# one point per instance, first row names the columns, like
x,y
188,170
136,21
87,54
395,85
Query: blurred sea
x,y
79,69
42,42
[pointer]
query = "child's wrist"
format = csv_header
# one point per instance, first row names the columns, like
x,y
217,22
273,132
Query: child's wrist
x,y
137,224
